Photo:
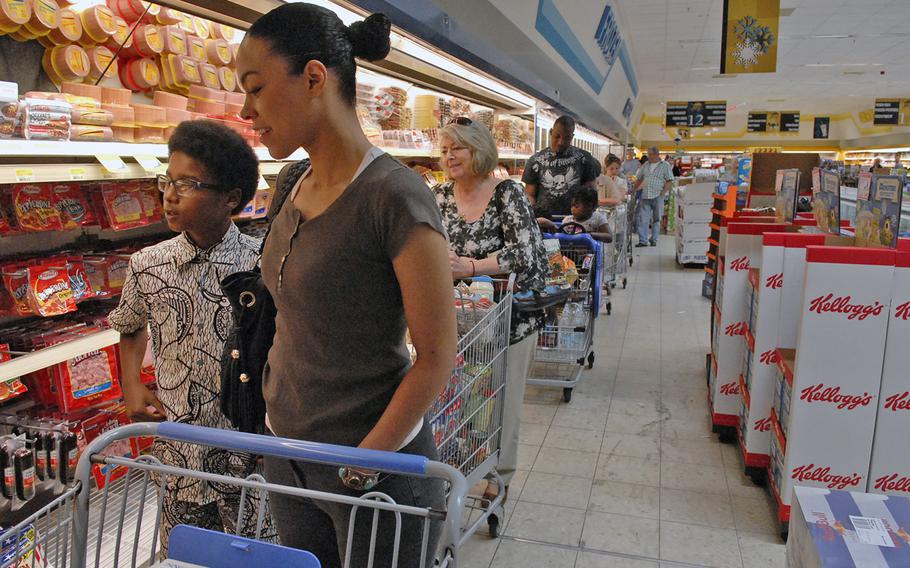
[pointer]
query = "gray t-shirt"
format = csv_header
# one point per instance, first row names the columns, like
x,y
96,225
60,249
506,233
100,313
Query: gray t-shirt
x,y
339,352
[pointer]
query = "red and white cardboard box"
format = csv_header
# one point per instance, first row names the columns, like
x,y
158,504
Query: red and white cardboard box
x,y
890,469
742,243
758,390
837,372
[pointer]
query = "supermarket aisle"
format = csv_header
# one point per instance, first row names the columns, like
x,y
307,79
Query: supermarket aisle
x,y
628,475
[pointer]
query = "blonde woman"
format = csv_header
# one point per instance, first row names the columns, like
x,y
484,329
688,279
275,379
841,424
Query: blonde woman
x,y
492,231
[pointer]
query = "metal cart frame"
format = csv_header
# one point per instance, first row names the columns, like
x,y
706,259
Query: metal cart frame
x,y
563,351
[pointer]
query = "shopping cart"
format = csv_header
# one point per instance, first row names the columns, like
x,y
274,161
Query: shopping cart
x,y
466,419
614,266
124,521
564,344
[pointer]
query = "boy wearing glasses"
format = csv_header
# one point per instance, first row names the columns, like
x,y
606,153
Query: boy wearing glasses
x,y
172,291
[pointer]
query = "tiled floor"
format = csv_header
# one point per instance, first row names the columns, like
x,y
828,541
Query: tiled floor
x,y
628,475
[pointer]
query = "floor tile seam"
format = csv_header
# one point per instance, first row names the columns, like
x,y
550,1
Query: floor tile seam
x,y
579,549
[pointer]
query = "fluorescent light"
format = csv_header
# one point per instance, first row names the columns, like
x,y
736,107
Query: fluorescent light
x,y
831,36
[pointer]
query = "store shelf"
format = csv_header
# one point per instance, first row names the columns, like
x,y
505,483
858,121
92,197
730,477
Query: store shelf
x,y
60,149
49,356
42,173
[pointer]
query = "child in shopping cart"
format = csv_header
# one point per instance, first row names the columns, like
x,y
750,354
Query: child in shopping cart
x,y
585,215
172,291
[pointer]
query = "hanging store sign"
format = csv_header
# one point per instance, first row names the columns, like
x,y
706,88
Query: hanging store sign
x,y
822,127
696,114
773,122
887,111
749,36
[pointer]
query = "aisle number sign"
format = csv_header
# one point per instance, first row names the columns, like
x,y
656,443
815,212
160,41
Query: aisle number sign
x,y
749,36
696,114
786,122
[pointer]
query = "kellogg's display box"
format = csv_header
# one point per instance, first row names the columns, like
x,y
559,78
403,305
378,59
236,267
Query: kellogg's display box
x,y
840,529
890,469
837,371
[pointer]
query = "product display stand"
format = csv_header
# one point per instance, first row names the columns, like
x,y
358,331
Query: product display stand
x,y
693,223
824,413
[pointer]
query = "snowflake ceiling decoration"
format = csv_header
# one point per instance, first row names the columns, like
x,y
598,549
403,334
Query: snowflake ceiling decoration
x,y
755,40
747,53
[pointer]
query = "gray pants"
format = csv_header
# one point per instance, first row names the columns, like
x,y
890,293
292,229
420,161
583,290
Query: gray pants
x,y
519,359
322,527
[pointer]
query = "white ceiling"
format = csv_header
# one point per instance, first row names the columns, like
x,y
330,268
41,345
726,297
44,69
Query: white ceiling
x,y
675,46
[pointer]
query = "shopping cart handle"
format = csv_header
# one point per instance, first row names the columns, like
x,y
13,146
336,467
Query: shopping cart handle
x,y
583,238
328,454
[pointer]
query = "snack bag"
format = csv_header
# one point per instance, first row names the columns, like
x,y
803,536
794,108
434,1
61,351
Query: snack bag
x,y
116,272
96,273
70,203
151,201
13,388
89,379
103,421
34,208
15,280
79,282
123,205
49,292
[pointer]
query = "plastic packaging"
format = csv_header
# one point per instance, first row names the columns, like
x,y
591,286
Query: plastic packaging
x,y
139,74
179,73
228,79
66,63
91,133
219,52
169,100
101,62
34,208
121,36
13,14
174,40
209,75
45,125
196,48
115,96
49,292
82,90
150,115
45,17
68,30
220,31
92,116
70,203
147,43
98,25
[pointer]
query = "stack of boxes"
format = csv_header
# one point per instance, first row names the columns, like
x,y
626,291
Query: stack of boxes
x,y
693,222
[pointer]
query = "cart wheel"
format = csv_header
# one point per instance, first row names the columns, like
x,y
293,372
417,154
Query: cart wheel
x,y
567,394
625,282
591,360
493,525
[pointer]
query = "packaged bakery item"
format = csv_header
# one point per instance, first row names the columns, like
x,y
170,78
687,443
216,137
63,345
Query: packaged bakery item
x,y
33,204
49,292
140,75
101,63
68,30
147,43
70,203
123,205
98,25
13,14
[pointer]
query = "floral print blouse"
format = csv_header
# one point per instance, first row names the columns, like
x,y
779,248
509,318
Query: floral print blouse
x,y
508,228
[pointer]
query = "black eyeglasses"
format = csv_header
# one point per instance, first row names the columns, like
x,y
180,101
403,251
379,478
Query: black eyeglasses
x,y
462,120
184,187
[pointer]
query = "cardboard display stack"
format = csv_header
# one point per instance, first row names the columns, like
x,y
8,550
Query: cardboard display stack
x,y
694,204
827,393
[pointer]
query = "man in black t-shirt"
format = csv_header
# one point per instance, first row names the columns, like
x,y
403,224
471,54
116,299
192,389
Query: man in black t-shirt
x,y
552,174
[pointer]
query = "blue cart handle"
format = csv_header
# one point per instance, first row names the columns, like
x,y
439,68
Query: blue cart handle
x,y
316,452
581,239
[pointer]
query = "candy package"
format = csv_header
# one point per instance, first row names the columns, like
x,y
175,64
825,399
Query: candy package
x,y
34,208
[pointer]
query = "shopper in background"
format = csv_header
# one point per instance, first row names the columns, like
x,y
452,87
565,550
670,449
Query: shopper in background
x,y
492,231
355,257
654,180
876,164
611,188
630,166
173,289
677,170
552,174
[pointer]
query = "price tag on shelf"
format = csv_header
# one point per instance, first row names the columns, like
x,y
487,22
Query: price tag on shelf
x,y
78,174
262,183
149,163
113,164
25,175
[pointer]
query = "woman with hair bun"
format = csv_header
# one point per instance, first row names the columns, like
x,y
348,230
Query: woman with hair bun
x,y
356,256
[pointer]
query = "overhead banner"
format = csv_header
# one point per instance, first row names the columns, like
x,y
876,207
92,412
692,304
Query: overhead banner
x,y
887,111
785,122
696,114
749,36
822,127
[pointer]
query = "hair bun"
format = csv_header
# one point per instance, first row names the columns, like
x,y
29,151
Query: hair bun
x,y
370,38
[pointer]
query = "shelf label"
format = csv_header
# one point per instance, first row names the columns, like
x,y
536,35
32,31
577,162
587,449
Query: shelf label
x,y
78,174
25,175
149,163
262,183
111,163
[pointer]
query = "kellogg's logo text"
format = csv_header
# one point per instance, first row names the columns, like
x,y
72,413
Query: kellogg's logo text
x,y
902,312
897,402
735,329
762,425
832,395
893,482
739,264
769,357
823,476
775,281
842,305
730,389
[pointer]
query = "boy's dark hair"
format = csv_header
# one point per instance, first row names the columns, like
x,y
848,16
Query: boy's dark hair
x,y
585,195
301,32
567,122
225,156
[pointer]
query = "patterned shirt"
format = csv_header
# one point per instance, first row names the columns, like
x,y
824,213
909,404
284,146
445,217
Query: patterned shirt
x,y
508,228
173,287
655,175
557,175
